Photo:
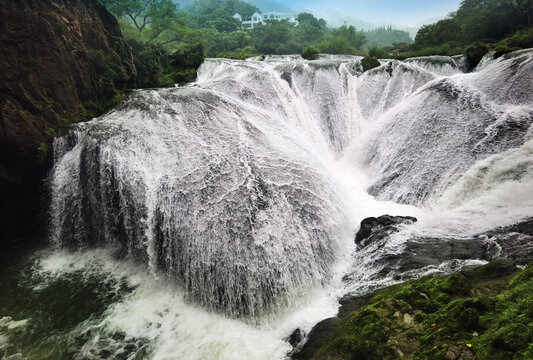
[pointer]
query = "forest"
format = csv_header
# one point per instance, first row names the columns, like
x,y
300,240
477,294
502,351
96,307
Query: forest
x,y
211,24
206,28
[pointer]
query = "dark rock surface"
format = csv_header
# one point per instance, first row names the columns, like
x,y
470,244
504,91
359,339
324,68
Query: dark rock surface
x,y
374,229
296,337
61,61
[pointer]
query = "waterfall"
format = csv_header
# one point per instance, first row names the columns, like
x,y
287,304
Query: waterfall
x,y
231,186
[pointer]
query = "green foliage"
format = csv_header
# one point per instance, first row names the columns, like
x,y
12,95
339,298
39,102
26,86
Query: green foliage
x,y
310,53
43,150
501,50
493,19
188,56
236,55
354,38
273,37
475,52
218,13
476,21
156,67
387,36
157,20
442,32
369,62
377,52
520,39
445,49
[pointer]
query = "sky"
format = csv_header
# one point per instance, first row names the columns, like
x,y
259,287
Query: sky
x,y
400,12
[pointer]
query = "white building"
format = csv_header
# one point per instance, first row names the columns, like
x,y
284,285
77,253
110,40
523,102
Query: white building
x,y
258,18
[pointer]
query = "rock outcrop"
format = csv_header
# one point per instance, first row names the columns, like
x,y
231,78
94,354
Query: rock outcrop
x,y
479,314
61,61
375,229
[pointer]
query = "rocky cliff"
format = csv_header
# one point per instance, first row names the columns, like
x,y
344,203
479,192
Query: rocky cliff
x,y
61,61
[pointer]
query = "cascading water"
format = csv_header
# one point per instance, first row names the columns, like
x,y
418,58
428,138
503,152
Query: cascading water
x,y
242,193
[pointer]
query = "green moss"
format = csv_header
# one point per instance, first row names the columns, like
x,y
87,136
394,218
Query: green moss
x,y
488,317
362,337
428,293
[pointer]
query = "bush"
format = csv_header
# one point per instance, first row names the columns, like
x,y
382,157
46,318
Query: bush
x,y
378,52
310,53
188,56
522,39
369,62
475,52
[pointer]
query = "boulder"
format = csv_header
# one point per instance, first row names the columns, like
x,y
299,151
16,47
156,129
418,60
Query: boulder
x,y
374,229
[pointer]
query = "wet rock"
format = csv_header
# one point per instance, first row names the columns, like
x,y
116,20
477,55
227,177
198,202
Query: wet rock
x,y
459,352
493,270
316,338
296,337
421,252
374,229
514,242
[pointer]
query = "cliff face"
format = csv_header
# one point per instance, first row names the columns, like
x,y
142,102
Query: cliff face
x,y
61,61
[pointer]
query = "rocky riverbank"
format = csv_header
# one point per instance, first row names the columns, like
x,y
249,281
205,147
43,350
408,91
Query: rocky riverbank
x,y
481,313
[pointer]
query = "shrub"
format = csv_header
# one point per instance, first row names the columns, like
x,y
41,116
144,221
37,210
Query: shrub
x,y
369,62
310,53
522,39
475,52
378,52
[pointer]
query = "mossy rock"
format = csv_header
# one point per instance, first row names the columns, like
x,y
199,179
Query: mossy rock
x,y
369,62
310,53
440,318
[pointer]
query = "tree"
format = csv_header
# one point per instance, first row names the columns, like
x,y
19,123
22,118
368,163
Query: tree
x,y
272,37
152,18
309,31
387,36
218,13
354,38
443,31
